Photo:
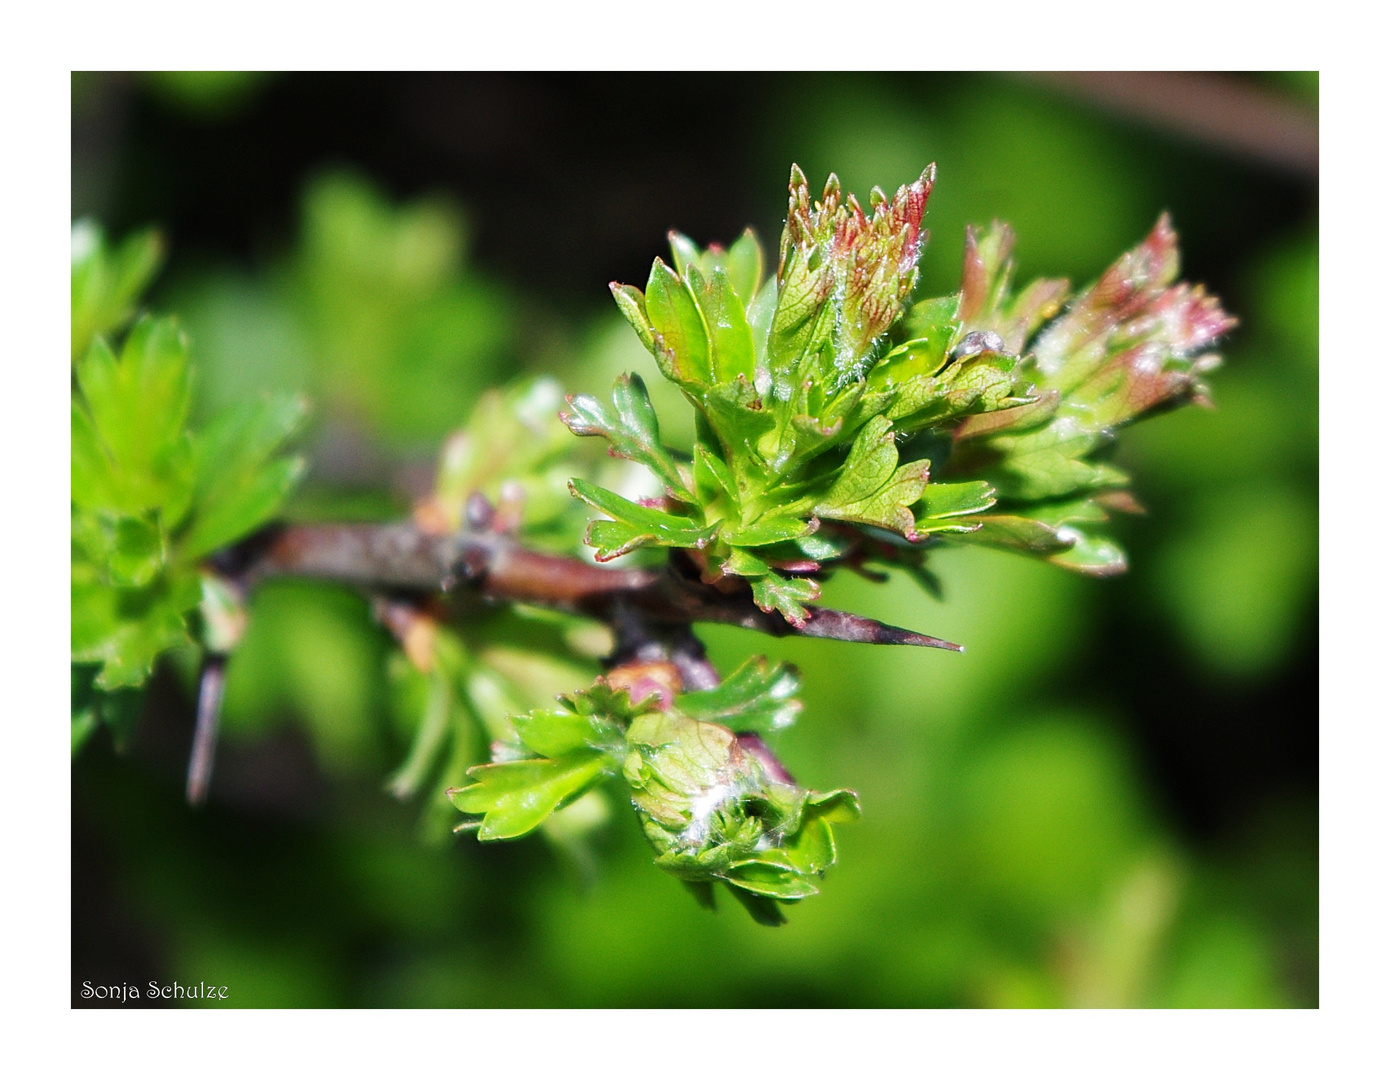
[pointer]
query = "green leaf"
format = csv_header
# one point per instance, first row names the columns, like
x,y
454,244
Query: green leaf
x,y
553,733
431,733
633,305
1094,556
744,265
811,848
758,698
118,711
238,487
936,320
980,383
684,350
1048,529
763,909
94,484
1049,463
870,489
940,503
765,878
768,530
736,412
839,807
1017,419
731,340
632,432
513,439
786,595
124,630
639,525
137,406
684,252
714,481
84,723
517,796
911,360
137,552
244,509
106,284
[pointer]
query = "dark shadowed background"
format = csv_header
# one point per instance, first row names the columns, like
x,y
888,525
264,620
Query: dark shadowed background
x,y
1110,799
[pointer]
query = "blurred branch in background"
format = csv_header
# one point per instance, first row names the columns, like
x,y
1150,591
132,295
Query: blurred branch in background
x,y
1227,113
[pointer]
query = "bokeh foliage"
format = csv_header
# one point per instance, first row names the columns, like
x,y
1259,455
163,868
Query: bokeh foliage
x,y
1017,847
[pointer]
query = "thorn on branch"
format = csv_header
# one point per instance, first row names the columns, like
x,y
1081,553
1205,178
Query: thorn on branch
x,y
846,626
210,687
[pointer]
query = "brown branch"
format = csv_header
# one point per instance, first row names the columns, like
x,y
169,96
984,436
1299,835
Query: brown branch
x,y
1229,113
404,569
495,567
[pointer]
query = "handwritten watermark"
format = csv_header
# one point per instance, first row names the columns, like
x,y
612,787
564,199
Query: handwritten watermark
x,y
154,990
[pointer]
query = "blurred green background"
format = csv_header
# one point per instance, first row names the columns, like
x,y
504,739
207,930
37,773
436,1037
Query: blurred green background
x,y
1109,799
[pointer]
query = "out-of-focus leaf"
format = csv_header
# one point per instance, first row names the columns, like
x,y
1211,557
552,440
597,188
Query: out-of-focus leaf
x,y
238,486
92,707
987,303
106,283
1095,556
513,438
125,629
1133,302
137,405
84,723
1015,419
137,552
1050,463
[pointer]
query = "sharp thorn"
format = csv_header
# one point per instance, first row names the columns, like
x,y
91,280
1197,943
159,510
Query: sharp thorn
x,y
844,626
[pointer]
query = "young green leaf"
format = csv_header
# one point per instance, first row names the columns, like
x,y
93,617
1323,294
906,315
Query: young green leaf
x,y
744,265
137,405
757,698
786,595
731,339
106,283
639,525
238,486
515,797
553,733
631,429
676,320
941,504
124,630
871,488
